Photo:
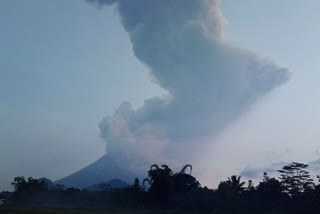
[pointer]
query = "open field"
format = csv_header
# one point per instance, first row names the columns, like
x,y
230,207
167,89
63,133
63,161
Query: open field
x,y
53,211
69,211
64,211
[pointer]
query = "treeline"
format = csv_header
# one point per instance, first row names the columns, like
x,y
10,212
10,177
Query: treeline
x,y
293,192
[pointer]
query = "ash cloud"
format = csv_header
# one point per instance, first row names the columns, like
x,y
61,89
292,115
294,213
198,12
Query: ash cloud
x,y
210,83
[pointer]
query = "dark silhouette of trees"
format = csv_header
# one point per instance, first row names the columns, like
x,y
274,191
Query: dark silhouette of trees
x,y
232,186
29,190
159,179
269,193
250,186
163,189
295,179
230,194
21,185
184,182
269,188
136,185
59,187
162,180
166,187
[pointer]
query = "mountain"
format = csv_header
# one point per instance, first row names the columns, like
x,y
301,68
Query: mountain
x,y
50,184
112,184
104,169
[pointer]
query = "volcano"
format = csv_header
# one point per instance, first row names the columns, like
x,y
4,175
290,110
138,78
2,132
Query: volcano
x,y
103,170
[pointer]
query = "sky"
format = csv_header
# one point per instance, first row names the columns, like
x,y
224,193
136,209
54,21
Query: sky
x,y
66,65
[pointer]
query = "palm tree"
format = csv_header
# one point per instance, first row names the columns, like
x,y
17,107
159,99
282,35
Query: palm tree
x,y
183,170
236,184
232,185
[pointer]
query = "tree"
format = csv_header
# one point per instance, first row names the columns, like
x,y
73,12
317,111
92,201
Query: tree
x,y
250,186
269,188
232,185
159,180
295,179
28,191
59,187
164,185
136,185
183,182
20,184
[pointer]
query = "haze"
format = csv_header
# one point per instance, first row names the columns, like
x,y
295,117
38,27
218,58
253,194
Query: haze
x,y
66,65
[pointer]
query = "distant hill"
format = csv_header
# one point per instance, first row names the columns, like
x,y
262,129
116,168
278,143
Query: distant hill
x,y
50,184
104,169
112,184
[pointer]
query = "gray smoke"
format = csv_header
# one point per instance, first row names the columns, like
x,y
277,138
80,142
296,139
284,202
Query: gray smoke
x,y
209,82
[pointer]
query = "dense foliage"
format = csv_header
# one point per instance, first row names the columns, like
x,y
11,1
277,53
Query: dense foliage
x,y
163,189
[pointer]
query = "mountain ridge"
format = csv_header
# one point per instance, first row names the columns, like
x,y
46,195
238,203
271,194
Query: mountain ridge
x,y
102,170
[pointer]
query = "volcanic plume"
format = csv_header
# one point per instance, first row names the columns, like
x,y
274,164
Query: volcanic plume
x,y
209,82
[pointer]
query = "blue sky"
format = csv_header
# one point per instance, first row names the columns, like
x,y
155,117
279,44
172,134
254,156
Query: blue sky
x,y
65,65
